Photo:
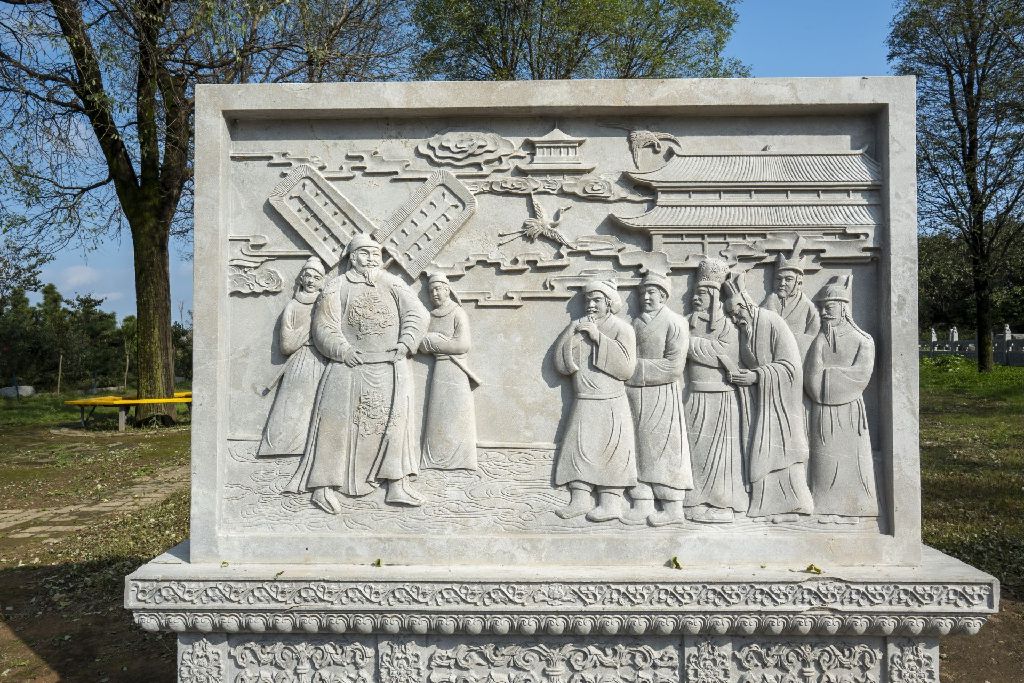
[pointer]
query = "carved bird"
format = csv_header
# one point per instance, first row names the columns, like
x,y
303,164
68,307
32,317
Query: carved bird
x,y
642,139
540,226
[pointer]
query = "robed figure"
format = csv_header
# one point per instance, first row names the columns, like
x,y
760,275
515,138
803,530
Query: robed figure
x,y
598,451
655,394
836,373
791,302
288,422
362,434
449,432
712,411
772,410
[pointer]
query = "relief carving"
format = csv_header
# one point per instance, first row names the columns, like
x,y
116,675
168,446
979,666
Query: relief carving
x,y
721,489
912,662
353,449
837,371
789,300
485,151
200,662
253,277
598,451
771,407
449,432
817,662
288,422
303,662
707,664
539,225
655,394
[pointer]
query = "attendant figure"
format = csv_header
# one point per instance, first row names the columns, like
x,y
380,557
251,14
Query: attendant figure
x,y
954,334
598,452
449,434
655,394
719,490
789,300
772,412
288,422
836,373
366,323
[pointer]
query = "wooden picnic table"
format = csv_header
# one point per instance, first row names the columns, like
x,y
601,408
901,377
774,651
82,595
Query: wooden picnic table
x,y
124,404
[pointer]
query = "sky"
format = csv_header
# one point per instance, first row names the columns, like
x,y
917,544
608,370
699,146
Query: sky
x,y
775,38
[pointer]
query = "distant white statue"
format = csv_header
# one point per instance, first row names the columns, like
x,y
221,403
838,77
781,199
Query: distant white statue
x,y
836,373
954,334
935,337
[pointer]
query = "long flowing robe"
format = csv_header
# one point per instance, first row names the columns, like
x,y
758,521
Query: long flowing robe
x,y
800,314
713,417
288,422
655,394
773,418
362,429
836,373
599,447
449,433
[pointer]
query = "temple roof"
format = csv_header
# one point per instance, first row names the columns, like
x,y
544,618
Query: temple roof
x,y
765,216
855,168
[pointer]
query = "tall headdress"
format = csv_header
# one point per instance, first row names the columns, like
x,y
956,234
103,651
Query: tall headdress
x,y
658,280
795,262
734,287
609,289
711,272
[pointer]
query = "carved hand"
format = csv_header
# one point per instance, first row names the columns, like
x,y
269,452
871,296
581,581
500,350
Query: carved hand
x,y
743,378
588,328
401,351
350,357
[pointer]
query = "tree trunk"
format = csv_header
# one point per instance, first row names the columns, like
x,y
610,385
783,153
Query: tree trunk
x,y
983,320
155,354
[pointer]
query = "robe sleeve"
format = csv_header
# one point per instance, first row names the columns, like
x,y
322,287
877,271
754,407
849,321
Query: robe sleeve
x,y
294,333
670,367
412,314
565,361
327,324
812,323
455,345
844,385
814,368
616,355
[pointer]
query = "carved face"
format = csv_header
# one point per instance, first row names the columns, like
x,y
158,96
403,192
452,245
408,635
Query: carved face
x,y
439,294
832,311
702,299
367,258
737,311
311,280
788,283
653,298
597,305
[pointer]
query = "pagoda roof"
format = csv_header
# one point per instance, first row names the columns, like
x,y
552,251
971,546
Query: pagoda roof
x,y
754,216
853,168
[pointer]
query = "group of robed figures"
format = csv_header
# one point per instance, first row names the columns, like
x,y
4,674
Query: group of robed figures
x,y
705,418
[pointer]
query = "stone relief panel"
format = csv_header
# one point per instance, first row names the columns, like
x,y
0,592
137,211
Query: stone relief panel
x,y
301,661
671,401
790,660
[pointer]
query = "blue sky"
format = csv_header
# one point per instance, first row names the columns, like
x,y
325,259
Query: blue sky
x,y
773,37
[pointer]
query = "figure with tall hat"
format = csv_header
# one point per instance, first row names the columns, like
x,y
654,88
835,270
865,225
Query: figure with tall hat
x,y
655,394
366,323
771,407
720,491
836,373
449,432
789,300
598,451
288,422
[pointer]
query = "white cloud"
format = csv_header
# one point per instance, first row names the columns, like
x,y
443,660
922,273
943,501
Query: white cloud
x,y
109,297
76,277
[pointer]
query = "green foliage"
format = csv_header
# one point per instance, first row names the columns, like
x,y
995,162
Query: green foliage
x,y
549,39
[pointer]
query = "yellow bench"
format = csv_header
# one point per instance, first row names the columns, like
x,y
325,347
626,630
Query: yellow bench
x,y
124,404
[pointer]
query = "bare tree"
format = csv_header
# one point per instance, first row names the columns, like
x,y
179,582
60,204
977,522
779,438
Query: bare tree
x,y
97,111
967,57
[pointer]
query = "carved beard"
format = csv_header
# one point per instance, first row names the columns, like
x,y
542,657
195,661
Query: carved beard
x,y
370,274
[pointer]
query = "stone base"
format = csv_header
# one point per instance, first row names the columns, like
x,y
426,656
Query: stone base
x,y
313,623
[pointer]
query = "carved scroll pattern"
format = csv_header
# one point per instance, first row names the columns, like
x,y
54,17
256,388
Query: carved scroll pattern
x,y
302,661
910,662
808,663
245,279
519,663
707,664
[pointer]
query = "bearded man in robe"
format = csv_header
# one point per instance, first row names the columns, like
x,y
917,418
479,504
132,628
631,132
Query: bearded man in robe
x,y
598,451
655,394
366,323
772,413
789,301
288,421
449,432
720,491
836,373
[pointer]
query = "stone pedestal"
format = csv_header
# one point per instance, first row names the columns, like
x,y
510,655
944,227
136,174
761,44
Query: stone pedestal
x,y
302,624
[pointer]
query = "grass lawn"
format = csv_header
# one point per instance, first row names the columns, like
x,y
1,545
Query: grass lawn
x,y
61,603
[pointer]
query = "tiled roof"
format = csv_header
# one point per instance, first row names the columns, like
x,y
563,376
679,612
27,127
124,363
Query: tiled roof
x,y
766,167
770,216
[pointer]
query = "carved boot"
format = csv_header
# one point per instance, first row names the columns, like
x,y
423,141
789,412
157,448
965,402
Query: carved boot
x,y
401,493
580,503
715,515
672,511
324,498
641,510
609,507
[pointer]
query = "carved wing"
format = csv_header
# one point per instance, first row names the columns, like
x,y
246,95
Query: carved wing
x,y
538,210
